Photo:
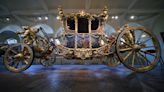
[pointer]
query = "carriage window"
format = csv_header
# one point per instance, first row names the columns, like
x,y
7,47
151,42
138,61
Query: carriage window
x,y
83,41
83,25
94,24
70,41
71,23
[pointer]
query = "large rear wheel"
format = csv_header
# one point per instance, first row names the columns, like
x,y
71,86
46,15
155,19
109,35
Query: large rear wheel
x,y
138,49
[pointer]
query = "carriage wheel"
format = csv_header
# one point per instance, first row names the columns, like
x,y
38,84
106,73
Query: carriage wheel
x,y
138,49
112,59
18,57
50,59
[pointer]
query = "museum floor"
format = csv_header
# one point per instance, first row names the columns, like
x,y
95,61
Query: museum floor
x,y
81,78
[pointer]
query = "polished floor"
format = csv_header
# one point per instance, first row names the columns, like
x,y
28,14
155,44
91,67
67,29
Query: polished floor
x,y
81,78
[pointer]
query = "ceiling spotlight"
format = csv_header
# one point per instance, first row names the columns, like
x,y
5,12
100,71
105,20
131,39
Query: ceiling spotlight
x,y
112,17
116,17
58,17
39,18
46,18
8,19
132,17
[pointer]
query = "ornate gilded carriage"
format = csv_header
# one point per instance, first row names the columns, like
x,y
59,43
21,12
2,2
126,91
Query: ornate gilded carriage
x,y
80,29
84,38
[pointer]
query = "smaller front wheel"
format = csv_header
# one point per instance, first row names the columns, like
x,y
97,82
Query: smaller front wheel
x,y
18,57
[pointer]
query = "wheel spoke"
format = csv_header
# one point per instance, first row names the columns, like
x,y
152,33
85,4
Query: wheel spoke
x,y
26,52
11,57
128,36
13,51
133,35
25,61
149,47
128,55
11,62
19,49
16,64
139,59
113,61
125,49
27,57
126,44
146,40
144,57
146,52
133,59
140,36
22,48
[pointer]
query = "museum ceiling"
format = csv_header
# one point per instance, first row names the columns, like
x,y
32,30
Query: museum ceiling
x,y
31,12
39,7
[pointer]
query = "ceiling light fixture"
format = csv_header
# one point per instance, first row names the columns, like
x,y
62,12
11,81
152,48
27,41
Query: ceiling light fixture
x,y
58,17
116,17
113,17
39,18
46,18
8,19
132,17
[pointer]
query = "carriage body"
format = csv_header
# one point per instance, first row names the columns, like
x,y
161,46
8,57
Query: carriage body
x,y
84,35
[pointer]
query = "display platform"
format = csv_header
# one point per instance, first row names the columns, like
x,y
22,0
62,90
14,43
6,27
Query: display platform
x,y
81,78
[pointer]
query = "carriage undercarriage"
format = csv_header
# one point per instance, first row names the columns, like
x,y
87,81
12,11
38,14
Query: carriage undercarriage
x,y
134,47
